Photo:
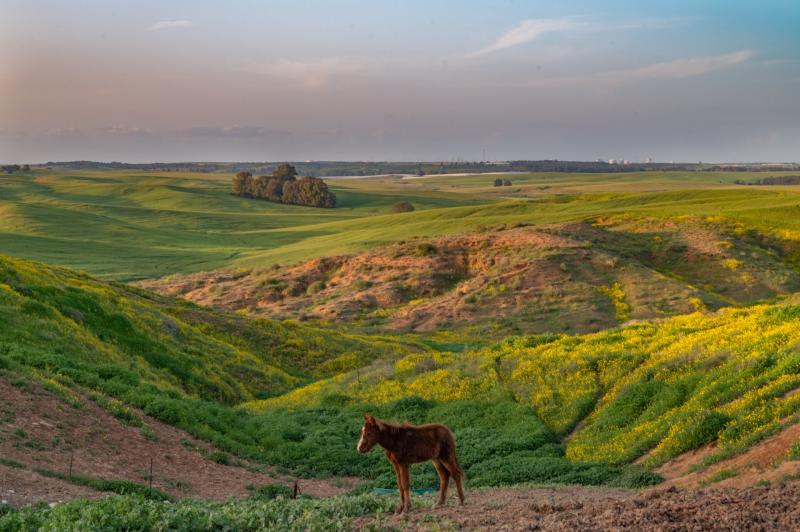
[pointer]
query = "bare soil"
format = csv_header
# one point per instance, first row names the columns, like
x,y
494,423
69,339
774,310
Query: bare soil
x,y
765,462
39,429
512,280
569,509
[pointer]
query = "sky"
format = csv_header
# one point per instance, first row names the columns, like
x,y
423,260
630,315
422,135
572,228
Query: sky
x,y
236,80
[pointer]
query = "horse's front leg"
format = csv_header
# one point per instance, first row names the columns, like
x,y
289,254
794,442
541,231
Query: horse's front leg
x,y
406,486
399,477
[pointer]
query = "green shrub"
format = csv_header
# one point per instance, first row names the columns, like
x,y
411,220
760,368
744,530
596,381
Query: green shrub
x,y
220,458
315,287
137,513
402,206
271,491
794,451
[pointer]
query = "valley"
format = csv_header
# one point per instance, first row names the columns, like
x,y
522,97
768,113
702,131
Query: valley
x,y
623,345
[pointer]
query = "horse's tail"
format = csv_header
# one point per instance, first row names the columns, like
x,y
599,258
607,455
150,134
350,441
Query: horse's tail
x,y
452,452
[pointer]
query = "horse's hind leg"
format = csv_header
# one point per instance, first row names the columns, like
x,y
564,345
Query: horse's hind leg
x,y
455,471
444,480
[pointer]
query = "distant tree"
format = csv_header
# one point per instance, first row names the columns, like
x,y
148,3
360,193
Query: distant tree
x,y
310,191
11,168
26,168
285,171
507,183
242,184
402,206
274,189
498,182
283,187
261,186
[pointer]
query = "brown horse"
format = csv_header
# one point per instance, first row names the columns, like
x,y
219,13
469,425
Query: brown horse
x,y
406,444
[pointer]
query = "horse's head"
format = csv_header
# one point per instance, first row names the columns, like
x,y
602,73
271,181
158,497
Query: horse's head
x,y
369,434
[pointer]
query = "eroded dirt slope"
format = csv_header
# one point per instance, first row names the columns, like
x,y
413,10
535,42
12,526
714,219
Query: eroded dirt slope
x,y
578,277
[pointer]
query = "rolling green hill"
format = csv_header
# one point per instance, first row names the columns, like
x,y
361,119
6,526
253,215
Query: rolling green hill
x,y
133,225
646,392
128,342
129,225
547,408
562,407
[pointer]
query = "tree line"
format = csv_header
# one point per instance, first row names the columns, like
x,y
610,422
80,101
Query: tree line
x,y
773,180
283,186
11,168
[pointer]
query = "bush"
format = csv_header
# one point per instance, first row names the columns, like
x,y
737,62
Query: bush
x,y
402,206
315,287
426,249
220,458
271,491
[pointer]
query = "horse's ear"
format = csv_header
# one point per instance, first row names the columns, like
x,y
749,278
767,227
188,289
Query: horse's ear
x,y
368,418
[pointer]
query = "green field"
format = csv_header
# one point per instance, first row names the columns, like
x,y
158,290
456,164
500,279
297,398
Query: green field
x,y
555,408
134,225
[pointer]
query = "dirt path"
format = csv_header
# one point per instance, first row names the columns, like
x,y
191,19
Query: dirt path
x,y
568,509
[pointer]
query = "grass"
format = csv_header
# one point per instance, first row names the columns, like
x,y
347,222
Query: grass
x,y
719,476
190,373
132,512
653,390
572,409
121,487
650,388
132,225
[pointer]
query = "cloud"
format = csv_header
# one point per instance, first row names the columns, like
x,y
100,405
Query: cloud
x,y
169,24
526,31
694,66
676,69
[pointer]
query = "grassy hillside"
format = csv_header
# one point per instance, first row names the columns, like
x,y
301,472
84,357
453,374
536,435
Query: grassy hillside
x,y
600,408
131,225
766,210
645,392
546,408
134,225
190,367
184,365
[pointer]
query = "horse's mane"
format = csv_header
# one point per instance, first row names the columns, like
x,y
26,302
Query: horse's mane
x,y
394,427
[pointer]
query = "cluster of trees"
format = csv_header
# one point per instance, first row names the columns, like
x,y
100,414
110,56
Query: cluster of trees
x,y
502,182
283,186
11,168
773,180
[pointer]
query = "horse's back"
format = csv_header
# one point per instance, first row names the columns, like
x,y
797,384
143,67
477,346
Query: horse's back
x,y
438,430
